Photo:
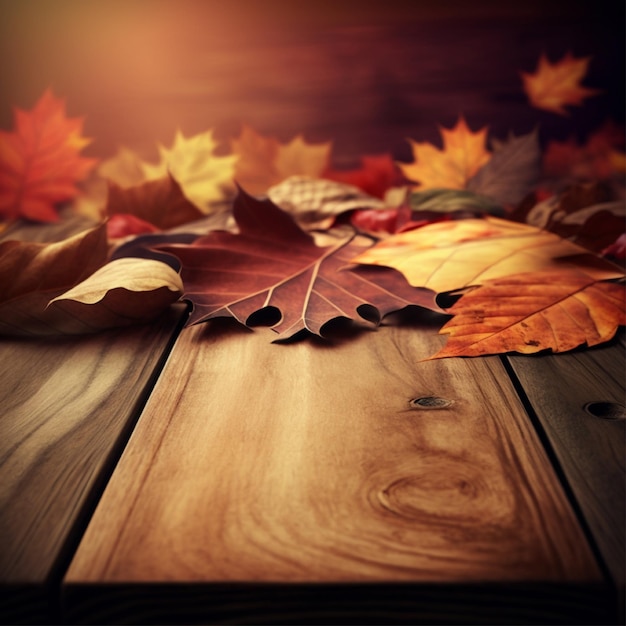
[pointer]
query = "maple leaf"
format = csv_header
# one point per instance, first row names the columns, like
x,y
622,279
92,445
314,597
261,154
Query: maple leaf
x,y
264,162
463,154
555,85
531,312
301,158
40,161
204,177
273,265
455,254
377,174
255,169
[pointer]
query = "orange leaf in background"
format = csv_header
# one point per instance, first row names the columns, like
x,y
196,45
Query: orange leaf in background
x,y
40,161
255,169
555,85
531,312
446,256
263,162
463,154
377,174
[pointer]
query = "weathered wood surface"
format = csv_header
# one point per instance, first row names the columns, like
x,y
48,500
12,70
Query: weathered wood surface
x,y
579,400
67,407
263,463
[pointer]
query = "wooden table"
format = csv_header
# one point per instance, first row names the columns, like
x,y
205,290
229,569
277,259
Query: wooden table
x,y
206,475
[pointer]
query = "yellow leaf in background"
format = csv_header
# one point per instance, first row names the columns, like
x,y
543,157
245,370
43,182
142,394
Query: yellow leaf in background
x,y
463,154
554,85
451,255
205,177
255,169
303,159
528,313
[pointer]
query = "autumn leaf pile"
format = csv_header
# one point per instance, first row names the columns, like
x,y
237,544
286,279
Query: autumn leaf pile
x,y
518,249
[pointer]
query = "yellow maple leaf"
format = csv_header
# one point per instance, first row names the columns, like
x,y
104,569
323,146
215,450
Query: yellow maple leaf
x,y
205,177
463,154
264,162
554,85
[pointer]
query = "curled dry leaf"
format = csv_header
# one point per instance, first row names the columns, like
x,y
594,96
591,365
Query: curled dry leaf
x,y
463,154
273,266
123,292
531,312
32,274
553,86
66,287
451,255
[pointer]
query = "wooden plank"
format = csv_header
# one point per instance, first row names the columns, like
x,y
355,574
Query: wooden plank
x,y
579,400
68,404
307,464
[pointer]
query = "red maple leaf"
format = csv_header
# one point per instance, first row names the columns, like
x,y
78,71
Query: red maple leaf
x,y
40,161
272,265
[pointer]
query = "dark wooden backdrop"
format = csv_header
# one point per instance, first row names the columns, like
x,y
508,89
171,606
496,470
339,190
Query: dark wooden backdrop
x,y
365,74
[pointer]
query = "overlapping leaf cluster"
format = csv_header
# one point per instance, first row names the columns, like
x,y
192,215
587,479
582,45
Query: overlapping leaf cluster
x,y
269,232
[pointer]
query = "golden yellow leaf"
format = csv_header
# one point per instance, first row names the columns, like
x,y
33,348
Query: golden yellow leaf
x,y
463,154
204,176
445,256
555,85
531,312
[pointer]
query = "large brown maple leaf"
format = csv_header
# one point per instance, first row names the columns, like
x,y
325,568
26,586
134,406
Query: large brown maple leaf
x,y
273,264
40,161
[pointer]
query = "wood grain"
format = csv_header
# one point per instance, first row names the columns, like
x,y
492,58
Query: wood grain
x,y
67,407
589,449
307,463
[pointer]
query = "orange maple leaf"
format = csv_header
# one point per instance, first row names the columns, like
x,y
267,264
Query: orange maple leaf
x,y
555,85
463,154
264,162
40,162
